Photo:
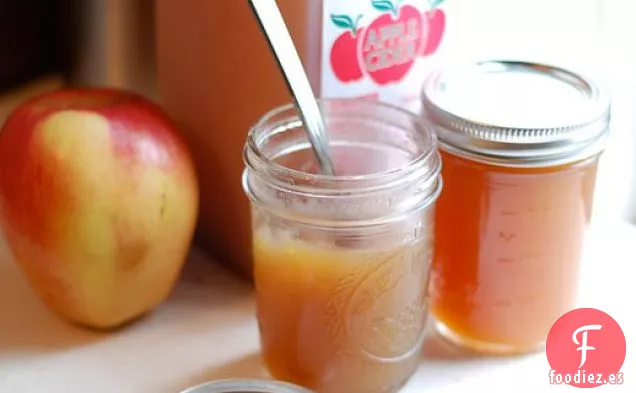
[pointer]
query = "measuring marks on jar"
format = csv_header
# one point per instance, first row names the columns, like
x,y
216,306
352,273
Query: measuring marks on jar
x,y
525,240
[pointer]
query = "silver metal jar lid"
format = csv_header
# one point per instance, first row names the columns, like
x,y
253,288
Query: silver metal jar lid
x,y
517,113
246,386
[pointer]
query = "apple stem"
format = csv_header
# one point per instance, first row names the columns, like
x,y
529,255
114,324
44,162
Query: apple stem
x,y
396,8
355,25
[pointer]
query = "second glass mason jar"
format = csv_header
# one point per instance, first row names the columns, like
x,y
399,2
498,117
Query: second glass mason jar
x,y
341,263
520,143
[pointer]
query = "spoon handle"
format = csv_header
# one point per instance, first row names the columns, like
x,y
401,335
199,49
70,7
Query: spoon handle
x,y
281,43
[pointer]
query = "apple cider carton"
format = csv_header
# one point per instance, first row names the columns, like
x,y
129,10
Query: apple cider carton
x,y
382,49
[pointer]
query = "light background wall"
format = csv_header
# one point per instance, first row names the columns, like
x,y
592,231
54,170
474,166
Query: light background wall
x,y
599,35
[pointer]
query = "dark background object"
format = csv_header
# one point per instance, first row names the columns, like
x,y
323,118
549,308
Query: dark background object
x,y
108,43
29,40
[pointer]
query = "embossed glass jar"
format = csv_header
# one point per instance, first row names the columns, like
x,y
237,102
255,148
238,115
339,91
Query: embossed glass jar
x,y
341,263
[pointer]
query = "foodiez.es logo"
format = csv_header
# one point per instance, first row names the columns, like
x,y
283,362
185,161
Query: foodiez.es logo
x,y
586,348
387,48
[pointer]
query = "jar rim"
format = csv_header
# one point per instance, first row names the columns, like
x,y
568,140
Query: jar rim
x,y
428,158
542,137
246,385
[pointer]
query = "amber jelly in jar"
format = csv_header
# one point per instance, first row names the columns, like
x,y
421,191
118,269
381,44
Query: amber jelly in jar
x,y
341,263
520,144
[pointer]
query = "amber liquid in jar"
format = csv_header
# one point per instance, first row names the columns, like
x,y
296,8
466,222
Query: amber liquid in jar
x,y
339,319
342,263
507,251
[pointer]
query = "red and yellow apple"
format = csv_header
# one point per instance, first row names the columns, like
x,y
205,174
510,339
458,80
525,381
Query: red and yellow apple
x,y
98,202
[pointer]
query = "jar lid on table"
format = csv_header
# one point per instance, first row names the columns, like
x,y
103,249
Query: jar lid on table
x,y
517,113
246,386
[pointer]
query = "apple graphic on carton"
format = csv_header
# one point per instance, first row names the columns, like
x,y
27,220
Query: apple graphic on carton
x,y
343,56
98,202
391,42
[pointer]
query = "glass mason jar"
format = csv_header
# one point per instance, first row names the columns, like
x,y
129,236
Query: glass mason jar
x,y
341,263
246,385
520,143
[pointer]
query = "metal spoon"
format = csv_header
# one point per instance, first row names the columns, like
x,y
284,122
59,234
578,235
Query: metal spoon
x,y
275,30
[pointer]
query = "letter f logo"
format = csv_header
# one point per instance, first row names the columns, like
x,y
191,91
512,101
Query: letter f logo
x,y
583,344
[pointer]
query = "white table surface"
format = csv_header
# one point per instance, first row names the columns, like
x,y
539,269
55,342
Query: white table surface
x,y
207,330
